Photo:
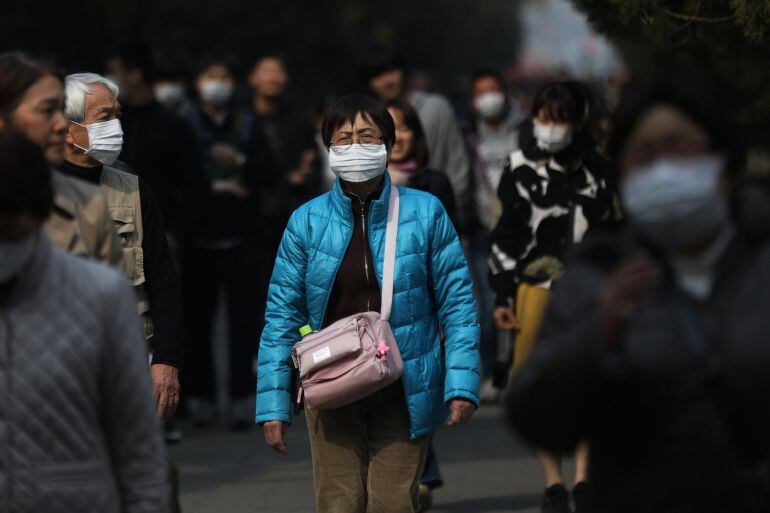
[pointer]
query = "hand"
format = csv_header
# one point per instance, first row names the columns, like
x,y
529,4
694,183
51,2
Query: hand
x,y
227,155
165,385
274,431
230,186
299,176
631,284
461,412
505,318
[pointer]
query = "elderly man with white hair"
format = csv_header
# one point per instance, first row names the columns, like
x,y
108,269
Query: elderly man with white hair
x,y
93,143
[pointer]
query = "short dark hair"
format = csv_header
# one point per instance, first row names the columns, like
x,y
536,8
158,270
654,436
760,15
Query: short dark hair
x,y
420,145
136,56
697,100
25,179
210,60
569,102
489,73
276,56
19,72
345,109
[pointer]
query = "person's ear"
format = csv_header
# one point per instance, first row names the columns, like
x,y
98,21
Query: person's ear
x,y
69,138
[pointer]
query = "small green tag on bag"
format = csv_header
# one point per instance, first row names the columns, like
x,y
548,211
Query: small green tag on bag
x,y
305,330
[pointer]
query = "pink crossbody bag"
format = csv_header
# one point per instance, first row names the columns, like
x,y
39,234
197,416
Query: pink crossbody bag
x,y
358,355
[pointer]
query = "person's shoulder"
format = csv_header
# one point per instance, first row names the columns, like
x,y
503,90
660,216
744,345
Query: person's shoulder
x,y
73,194
423,202
431,101
92,278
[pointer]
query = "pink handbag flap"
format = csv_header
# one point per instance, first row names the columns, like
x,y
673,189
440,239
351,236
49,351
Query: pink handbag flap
x,y
329,350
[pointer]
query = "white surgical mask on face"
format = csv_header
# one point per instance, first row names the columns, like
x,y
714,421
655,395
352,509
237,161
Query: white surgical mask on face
x,y
490,105
105,141
169,94
676,202
216,92
14,256
551,138
358,162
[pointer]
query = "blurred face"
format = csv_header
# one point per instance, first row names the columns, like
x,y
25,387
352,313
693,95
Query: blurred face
x,y
662,132
404,137
486,85
127,81
544,120
389,85
216,73
101,106
269,78
40,117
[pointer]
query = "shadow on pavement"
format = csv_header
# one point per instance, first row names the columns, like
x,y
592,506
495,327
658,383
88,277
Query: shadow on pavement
x,y
489,504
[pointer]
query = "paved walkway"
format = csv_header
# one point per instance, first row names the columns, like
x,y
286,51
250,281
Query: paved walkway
x,y
485,469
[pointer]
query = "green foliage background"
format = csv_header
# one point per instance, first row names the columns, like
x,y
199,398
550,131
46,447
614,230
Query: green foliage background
x,y
729,40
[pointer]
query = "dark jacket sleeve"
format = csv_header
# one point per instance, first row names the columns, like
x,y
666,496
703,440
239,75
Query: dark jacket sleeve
x,y
565,369
162,283
510,238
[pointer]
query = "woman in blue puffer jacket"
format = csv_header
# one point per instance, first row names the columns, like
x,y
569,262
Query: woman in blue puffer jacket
x,y
368,456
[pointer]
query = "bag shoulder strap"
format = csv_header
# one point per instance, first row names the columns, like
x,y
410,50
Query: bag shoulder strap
x,y
391,236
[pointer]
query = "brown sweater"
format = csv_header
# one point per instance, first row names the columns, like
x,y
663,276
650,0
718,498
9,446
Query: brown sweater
x,y
356,288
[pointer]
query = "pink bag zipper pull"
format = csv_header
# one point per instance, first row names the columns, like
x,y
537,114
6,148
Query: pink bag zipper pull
x,y
299,394
382,350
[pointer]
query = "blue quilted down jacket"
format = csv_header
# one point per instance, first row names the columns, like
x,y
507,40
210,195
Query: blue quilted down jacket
x,y
432,294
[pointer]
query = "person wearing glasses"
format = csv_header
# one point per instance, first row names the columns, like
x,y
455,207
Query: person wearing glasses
x,y
368,456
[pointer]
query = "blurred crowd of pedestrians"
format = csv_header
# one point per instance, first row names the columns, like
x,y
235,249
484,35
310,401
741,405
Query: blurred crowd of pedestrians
x,y
596,257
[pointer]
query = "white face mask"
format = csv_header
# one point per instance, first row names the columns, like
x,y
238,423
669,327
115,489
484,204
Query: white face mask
x,y
490,105
105,141
216,92
169,94
675,202
358,162
14,256
551,138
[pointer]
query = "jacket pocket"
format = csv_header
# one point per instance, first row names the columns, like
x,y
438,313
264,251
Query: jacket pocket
x,y
124,219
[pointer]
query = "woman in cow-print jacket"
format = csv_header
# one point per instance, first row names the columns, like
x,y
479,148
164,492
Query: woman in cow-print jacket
x,y
552,191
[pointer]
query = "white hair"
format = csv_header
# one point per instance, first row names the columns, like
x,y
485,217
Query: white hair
x,y
76,87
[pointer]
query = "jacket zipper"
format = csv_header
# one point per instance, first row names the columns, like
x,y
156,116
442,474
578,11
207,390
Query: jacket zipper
x,y
322,321
365,235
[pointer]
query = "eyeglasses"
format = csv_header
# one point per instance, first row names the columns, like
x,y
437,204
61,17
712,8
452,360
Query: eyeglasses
x,y
346,141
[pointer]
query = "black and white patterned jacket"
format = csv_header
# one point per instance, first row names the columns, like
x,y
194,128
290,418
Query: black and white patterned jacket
x,y
548,204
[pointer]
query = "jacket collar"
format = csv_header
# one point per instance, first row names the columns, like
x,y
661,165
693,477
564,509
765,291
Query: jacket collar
x,y
378,209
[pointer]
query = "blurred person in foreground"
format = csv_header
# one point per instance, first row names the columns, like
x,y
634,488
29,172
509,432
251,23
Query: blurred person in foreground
x,y
289,135
225,248
157,144
407,167
654,346
32,103
368,456
384,76
77,404
552,192
93,143
491,138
